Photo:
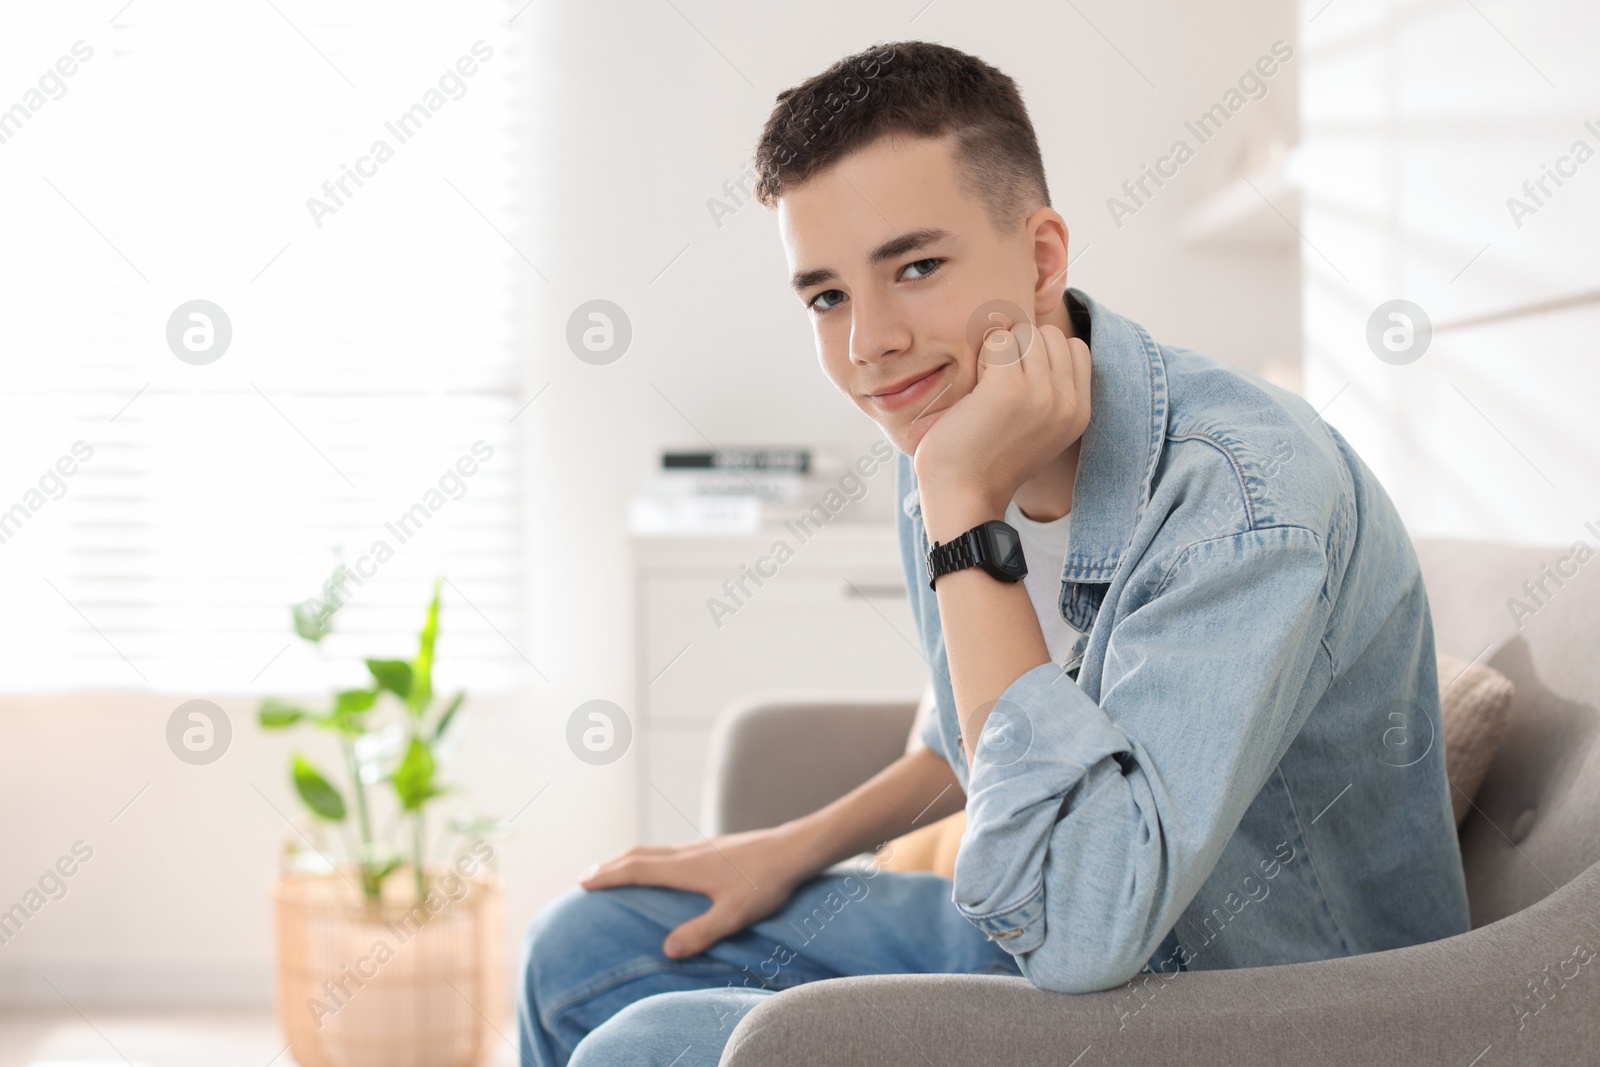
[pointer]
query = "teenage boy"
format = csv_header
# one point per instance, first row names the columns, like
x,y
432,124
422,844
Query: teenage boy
x,y
1181,651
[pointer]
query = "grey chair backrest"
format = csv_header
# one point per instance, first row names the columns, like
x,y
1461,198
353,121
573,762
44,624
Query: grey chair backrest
x,y
801,733
1536,820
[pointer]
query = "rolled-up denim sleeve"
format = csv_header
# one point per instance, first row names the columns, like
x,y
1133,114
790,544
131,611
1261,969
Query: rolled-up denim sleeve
x,y
914,569
1090,826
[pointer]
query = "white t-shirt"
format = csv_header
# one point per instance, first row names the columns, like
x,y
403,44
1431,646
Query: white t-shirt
x,y
1044,547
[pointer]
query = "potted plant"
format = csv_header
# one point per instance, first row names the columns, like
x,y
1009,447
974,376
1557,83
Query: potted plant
x,y
372,968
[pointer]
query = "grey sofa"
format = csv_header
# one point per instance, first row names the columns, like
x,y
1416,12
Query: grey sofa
x,y
1523,987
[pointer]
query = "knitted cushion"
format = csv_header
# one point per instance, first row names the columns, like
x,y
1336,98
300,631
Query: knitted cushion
x,y
1474,705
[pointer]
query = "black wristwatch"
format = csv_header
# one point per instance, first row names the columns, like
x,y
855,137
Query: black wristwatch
x,y
992,545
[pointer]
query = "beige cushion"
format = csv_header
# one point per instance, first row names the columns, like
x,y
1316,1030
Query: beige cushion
x,y
1474,704
1474,701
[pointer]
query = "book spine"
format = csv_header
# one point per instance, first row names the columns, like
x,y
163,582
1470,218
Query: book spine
x,y
793,460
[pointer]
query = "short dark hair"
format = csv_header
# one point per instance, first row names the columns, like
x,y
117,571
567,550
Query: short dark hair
x,y
916,88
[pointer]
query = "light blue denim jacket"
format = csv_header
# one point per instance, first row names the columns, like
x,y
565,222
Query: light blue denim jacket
x,y
1240,763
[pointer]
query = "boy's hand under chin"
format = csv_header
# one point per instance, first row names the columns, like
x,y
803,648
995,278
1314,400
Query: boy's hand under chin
x,y
1029,404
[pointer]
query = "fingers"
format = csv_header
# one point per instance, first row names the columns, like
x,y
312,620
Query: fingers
x,y
1034,345
1044,355
640,865
1017,343
1027,339
1000,347
1071,374
1068,370
700,933
994,330
1056,359
602,875
1081,366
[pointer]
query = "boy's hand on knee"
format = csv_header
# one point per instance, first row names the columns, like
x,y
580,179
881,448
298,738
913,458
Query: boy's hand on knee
x,y
747,876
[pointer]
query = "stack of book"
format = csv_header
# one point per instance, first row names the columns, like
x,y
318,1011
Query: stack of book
x,y
720,490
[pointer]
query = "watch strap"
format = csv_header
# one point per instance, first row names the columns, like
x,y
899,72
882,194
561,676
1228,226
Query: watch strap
x,y
970,549
956,555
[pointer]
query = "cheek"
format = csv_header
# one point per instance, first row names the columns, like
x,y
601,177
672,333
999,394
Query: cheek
x,y
835,362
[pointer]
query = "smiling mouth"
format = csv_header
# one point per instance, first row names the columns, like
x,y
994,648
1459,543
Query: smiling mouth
x,y
910,394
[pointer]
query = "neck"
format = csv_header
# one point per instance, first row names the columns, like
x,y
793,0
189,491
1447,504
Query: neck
x,y
1048,494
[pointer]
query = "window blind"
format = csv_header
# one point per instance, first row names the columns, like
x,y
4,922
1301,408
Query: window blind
x,y
338,181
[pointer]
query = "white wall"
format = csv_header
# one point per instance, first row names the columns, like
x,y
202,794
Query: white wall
x,y
636,115
1420,120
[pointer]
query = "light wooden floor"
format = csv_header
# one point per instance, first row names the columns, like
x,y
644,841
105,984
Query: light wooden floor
x,y
160,1038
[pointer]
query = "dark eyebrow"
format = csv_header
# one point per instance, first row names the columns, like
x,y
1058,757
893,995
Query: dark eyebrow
x,y
893,248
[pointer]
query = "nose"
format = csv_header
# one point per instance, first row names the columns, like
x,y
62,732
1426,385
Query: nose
x,y
878,329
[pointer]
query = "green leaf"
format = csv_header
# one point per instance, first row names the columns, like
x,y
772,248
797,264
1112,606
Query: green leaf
x,y
392,675
379,861
422,666
317,792
313,618
449,713
275,715
349,705
312,623
355,699
413,779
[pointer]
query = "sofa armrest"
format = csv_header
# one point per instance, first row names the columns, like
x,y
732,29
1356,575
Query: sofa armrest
x,y
1519,986
773,759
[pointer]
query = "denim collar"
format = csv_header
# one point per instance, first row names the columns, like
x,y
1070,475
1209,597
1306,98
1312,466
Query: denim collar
x,y
1120,450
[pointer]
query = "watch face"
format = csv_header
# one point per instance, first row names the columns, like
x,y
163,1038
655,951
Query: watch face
x,y
1007,548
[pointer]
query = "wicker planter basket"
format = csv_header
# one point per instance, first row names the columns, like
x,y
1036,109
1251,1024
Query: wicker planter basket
x,y
390,983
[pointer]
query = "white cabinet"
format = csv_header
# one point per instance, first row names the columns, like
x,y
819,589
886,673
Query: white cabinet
x,y
827,615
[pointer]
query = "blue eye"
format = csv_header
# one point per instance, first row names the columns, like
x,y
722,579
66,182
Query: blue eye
x,y
813,302
927,268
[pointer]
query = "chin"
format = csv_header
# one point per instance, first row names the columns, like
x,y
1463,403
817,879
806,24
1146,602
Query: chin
x,y
905,437
904,430
899,435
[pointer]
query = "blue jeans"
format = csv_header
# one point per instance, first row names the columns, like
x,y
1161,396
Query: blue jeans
x,y
597,990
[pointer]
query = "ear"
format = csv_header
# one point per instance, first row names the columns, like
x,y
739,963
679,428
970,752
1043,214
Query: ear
x,y
1047,231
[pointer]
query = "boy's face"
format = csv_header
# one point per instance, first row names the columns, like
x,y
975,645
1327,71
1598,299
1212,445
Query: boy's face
x,y
893,334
